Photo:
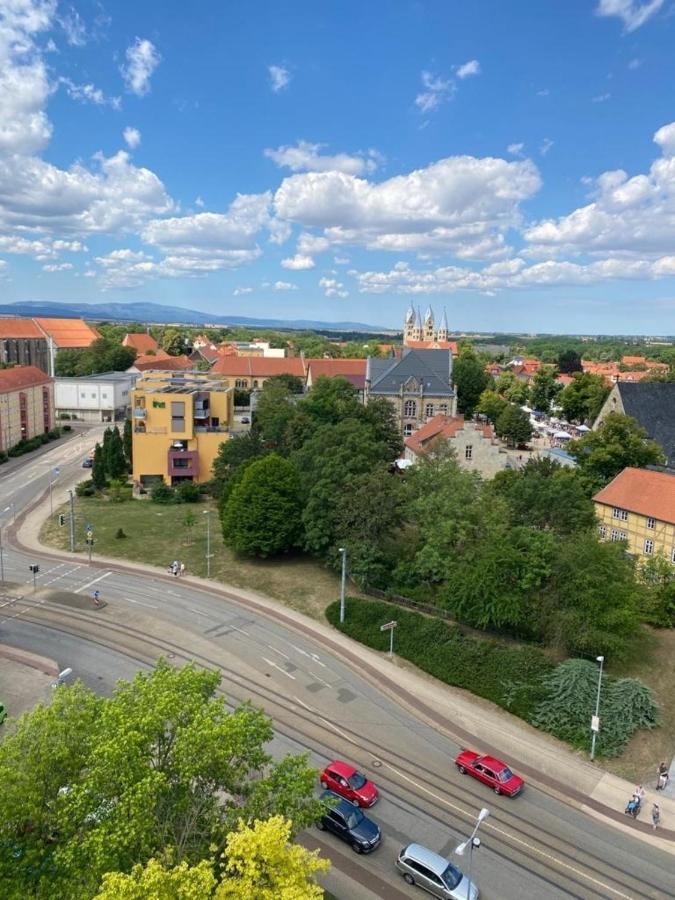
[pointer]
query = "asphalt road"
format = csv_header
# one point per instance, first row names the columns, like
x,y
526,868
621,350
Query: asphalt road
x,y
533,847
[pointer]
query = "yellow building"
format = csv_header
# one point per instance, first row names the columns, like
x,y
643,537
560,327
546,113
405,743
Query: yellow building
x,y
180,421
638,506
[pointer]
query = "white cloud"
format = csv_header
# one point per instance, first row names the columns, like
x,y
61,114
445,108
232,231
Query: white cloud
x,y
307,157
73,27
630,216
516,149
298,262
437,90
57,267
280,78
40,249
142,60
239,291
88,93
602,98
633,13
545,146
634,64
460,204
285,286
468,69
544,92
132,136
333,288
199,202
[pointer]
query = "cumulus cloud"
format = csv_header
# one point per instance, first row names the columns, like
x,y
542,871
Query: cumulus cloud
x,y
437,90
468,69
602,98
57,267
633,13
630,216
284,286
461,204
239,291
132,136
545,146
89,93
333,288
516,149
298,262
307,157
40,249
142,58
280,78
73,27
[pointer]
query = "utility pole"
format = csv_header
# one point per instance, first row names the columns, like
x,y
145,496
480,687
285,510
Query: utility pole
x,y
55,474
207,513
595,720
2,560
72,522
343,580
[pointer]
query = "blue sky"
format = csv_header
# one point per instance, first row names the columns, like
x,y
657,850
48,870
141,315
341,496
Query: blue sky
x,y
512,162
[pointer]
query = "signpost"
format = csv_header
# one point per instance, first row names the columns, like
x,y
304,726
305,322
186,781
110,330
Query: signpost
x,y
390,626
34,568
90,540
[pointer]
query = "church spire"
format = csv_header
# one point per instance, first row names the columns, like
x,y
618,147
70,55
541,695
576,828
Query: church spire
x,y
442,334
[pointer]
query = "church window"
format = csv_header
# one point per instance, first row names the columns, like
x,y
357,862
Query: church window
x,y
468,451
409,408
429,410
407,430
443,409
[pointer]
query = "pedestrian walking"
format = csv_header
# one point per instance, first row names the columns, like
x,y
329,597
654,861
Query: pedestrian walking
x,y
97,599
661,777
656,816
174,567
639,792
182,569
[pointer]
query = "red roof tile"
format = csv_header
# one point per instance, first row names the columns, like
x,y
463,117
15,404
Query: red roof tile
x,y
642,491
68,333
140,341
444,427
15,327
162,362
259,366
19,377
434,345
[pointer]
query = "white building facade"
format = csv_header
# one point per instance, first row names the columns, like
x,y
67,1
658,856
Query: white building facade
x,y
94,398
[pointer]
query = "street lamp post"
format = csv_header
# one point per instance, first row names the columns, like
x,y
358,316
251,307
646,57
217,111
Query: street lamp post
x,y
472,842
55,474
72,521
207,513
595,721
343,580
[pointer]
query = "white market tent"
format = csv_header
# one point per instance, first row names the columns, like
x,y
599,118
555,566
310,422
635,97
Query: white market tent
x,y
562,436
583,428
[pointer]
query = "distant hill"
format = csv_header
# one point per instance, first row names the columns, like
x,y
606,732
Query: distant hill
x,y
157,313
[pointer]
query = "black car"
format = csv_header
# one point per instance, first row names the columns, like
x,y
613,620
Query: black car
x,y
348,822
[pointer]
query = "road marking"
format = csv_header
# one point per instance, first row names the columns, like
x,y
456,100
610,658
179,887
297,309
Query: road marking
x,y
312,656
318,678
141,603
315,712
280,652
240,630
90,583
275,666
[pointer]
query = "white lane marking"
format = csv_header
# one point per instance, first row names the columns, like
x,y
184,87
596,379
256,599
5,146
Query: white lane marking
x,y
326,721
318,678
280,652
240,630
90,583
275,666
141,603
312,656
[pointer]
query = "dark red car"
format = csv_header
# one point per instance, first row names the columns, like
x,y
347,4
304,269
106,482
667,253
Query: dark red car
x,y
493,772
349,783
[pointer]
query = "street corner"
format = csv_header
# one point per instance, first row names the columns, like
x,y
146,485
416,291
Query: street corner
x,y
22,685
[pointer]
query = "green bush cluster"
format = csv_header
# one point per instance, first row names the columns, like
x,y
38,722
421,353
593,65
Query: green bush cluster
x,y
26,446
185,492
509,676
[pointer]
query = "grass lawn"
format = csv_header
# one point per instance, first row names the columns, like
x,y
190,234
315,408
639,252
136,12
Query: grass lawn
x,y
157,534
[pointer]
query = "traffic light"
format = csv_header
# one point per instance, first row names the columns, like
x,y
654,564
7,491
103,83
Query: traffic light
x,y
62,519
34,568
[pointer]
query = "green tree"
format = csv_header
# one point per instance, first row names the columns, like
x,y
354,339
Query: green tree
x,y
89,786
380,415
569,361
189,522
127,443
98,474
172,342
514,425
470,380
544,389
262,514
582,399
491,404
512,389
658,576
116,460
619,442
330,401
273,413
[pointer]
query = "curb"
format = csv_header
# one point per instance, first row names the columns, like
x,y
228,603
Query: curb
x,y
26,658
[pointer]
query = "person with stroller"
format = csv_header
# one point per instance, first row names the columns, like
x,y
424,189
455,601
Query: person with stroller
x,y
635,803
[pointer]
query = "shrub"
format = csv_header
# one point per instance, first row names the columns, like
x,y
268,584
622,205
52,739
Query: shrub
x,y
85,489
508,676
626,704
119,534
53,434
64,415
188,492
162,493
118,491
3,457
67,428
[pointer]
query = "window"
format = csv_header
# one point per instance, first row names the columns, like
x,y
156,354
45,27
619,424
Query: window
x,y
620,514
409,408
429,410
179,463
255,382
468,451
104,396
177,415
443,409
651,523
407,430
241,383
616,535
158,404
649,547
93,395
602,531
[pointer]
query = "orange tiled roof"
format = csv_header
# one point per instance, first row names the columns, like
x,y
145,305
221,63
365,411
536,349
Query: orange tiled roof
x,y
140,341
71,334
641,491
19,377
433,345
162,362
16,327
439,426
259,366
335,367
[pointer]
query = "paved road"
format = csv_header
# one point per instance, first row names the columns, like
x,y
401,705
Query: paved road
x,y
533,847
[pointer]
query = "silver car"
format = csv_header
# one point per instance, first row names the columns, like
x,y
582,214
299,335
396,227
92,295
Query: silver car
x,y
436,875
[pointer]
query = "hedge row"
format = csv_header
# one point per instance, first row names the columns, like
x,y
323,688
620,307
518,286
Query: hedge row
x,y
509,676
26,446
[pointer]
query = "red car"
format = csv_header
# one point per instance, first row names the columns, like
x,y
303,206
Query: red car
x,y
349,783
493,772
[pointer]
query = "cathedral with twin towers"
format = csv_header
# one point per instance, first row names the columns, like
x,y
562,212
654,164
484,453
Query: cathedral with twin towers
x,y
422,334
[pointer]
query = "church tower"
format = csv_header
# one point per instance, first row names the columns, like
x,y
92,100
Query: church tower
x,y
429,329
409,326
442,333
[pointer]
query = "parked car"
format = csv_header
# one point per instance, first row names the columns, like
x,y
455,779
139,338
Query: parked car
x,y
434,873
88,462
245,420
493,772
343,779
349,823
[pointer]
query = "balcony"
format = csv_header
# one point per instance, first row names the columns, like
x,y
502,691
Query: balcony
x,y
140,412
183,463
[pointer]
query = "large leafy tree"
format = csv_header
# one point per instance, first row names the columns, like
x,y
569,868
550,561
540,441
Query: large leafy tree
x,y
514,424
240,449
273,414
90,785
569,361
619,442
262,514
104,355
544,389
511,388
470,380
582,400
172,341
491,404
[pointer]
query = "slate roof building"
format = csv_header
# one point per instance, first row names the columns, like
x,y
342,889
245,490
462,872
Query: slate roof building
x,y
419,385
652,404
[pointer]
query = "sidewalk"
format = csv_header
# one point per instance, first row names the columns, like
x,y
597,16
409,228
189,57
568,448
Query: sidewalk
x,y
544,761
